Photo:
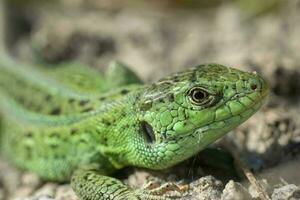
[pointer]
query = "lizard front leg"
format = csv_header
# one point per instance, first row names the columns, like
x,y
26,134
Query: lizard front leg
x,y
119,74
90,184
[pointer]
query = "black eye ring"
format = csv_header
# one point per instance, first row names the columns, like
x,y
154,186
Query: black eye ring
x,y
198,96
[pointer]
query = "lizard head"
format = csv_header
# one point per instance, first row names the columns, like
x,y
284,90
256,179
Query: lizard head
x,y
183,113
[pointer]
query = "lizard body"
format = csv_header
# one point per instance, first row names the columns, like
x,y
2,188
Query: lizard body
x,y
68,123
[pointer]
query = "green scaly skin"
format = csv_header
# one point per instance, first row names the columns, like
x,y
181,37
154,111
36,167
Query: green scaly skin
x,y
67,123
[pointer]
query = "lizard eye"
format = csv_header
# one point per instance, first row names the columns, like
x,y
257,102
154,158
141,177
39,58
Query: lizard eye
x,y
198,96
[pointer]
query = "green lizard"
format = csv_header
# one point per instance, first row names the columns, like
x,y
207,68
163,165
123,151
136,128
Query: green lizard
x,y
71,123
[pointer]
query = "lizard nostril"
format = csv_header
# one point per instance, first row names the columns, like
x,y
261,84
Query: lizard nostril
x,y
253,87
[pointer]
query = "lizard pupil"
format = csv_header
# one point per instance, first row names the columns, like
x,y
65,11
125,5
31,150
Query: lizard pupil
x,y
198,95
148,132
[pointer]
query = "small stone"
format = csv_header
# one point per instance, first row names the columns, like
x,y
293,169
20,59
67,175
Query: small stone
x,y
264,184
10,177
47,190
291,192
29,183
235,191
30,180
41,197
65,192
207,188
138,178
22,192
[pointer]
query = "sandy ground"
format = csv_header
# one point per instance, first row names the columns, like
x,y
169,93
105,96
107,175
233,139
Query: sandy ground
x,y
156,43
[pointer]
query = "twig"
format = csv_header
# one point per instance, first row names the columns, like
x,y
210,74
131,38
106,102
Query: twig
x,y
250,176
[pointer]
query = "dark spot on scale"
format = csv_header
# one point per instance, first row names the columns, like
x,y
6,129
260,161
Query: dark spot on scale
x,y
83,102
73,131
71,100
161,100
28,134
194,76
53,146
105,141
164,134
82,140
146,106
106,122
171,97
19,82
80,83
124,91
21,99
38,108
102,98
176,79
87,110
55,111
28,152
85,177
48,97
54,135
30,104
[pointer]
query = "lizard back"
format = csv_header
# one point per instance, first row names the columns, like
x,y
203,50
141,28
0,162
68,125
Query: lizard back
x,y
47,118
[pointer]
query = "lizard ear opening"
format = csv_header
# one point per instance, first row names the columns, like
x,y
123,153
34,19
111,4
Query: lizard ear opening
x,y
148,132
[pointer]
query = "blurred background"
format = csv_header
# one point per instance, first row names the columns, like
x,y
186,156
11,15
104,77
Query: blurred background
x,y
157,38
